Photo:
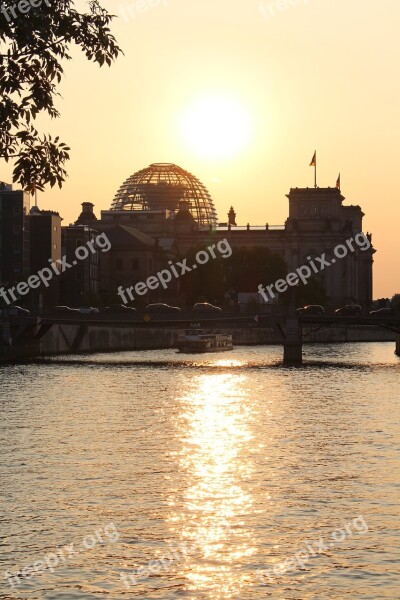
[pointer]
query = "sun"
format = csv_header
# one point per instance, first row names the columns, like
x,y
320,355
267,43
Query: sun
x,y
216,127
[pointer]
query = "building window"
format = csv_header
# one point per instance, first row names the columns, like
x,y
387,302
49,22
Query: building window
x,y
54,228
54,246
17,249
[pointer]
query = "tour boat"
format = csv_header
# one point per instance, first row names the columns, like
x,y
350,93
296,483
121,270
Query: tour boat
x,y
197,340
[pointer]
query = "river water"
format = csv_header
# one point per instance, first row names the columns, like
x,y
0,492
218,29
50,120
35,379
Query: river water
x,y
222,476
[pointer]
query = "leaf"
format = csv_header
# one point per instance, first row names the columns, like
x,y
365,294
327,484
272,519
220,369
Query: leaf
x,y
31,70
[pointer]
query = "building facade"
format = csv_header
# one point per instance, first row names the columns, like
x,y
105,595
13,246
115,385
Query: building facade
x,y
161,213
318,222
45,247
79,284
14,236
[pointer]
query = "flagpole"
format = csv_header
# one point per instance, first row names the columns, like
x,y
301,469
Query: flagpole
x,y
313,163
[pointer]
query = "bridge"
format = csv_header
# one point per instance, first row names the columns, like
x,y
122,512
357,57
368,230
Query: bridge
x,y
293,336
20,336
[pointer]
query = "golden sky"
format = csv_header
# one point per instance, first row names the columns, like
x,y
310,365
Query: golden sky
x,y
295,76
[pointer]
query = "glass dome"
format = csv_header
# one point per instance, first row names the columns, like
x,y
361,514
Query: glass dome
x,y
163,186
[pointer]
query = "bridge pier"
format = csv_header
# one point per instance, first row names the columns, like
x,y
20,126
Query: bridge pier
x,y
293,344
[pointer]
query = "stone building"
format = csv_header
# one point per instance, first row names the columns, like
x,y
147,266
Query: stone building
x,y
79,284
45,245
14,235
163,210
134,256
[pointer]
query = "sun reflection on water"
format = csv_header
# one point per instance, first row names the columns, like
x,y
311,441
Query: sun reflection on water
x,y
215,430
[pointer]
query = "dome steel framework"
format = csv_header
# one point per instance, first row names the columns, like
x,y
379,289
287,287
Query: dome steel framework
x,y
162,186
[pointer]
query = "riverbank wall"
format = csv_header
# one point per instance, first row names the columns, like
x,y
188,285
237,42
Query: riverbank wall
x,y
62,339
90,338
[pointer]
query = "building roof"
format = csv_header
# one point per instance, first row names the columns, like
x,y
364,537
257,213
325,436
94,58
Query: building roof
x,y
164,186
129,238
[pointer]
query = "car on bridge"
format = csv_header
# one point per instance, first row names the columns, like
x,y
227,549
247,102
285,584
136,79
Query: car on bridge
x,y
118,308
160,307
61,310
311,309
88,310
383,312
350,310
206,307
